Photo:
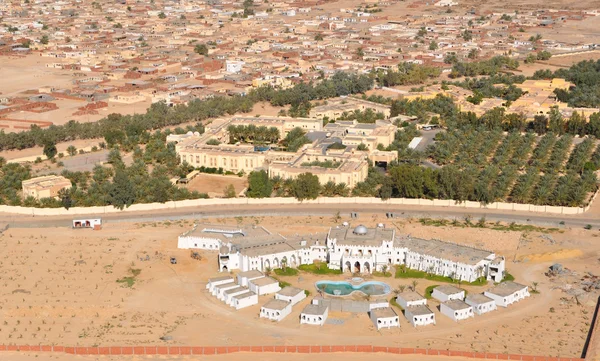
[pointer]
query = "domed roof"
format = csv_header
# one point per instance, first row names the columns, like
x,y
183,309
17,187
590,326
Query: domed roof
x,y
360,230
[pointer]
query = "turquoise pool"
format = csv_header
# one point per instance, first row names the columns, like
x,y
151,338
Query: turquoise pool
x,y
343,288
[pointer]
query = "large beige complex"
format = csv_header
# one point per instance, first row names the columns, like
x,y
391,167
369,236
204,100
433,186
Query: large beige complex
x,y
337,107
348,165
45,187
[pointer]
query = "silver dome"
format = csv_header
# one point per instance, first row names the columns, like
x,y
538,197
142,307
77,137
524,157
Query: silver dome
x,y
360,230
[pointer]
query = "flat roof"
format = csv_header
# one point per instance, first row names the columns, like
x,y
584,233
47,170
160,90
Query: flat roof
x,y
251,274
244,295
479,298
290,291
506,288
226,285
218,279
264,281
372,236
317,310
235,290
384,312
456,305
276,305
448,289
410,296
443,250
419,310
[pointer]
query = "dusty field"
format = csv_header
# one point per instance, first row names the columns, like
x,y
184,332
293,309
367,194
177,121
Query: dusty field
x,y
15,80
214,184
60,287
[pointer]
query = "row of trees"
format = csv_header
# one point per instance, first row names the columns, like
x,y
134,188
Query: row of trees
x,y
406,74
116,128
252,134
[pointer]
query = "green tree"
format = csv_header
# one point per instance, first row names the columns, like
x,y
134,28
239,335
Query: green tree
x,y
306,186
556,123
50,149
259,185
71,150
319,37
44,39
201,49
229,191
122,191
433,45
162,15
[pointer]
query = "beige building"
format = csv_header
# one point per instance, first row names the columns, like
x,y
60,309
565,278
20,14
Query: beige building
x,y
45,187
338,166
353,133
232,158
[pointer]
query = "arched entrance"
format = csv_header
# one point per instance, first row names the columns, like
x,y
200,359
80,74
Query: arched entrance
x,y
357,267
276,263
224,269
367,268
293,261
348,267
267,264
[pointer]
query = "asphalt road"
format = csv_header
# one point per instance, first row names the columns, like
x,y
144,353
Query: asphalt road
x,y
20,221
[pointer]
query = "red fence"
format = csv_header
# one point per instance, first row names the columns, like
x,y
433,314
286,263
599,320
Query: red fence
x,y
189,350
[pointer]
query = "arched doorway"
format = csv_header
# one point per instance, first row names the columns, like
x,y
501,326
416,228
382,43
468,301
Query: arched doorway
x,y
299,260
267,264
367,268
276,263
293,261
357,267
348,267
224,269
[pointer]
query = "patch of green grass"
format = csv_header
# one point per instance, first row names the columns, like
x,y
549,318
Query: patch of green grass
x,y
429,291
381,274
129,281
287,272
395,304
319,269
483,224
508,277
410,273
307,293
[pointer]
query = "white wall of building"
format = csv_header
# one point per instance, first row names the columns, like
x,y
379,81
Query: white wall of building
x,y
404,303
505,301
292,300
239,303
442,297
481,308
419,320
316,320
264,290
218,290
275,315
385,322
457,315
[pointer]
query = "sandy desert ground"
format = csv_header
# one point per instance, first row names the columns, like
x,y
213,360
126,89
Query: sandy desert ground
x,y
70,287
214,184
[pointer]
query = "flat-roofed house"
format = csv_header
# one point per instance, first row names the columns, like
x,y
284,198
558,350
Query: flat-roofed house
x,y
481,303
410,298
264,285
291,294
45,187
419,315
507,293
275,310
456,310
384,318
212,282
228,295
244,300
244,278
218,290
447,292
314,314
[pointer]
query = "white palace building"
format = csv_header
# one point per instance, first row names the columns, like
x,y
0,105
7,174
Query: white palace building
x,y
359,250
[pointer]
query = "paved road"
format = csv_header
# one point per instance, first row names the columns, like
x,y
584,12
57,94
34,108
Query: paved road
x,y
21,221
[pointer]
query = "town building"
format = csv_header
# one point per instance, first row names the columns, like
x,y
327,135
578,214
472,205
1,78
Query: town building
x,y
456,310
445,293
264,285
314,315
409,299
275,310
244,300
350,249
339,107
481,303
216,281
384,318
507,293
290,294
45,187
419,315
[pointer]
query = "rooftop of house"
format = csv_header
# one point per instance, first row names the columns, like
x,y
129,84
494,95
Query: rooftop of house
x,y
361,235
219,279
456,305
46,182
443,250
384,312
419,310
227,285
506,288
448,289
235,290
244,295
277,305
410,296
251,274
290,291
264,281
478,298
314,310
227,233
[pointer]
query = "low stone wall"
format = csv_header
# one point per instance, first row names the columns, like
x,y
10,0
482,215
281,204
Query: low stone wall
x,y
208,350
286,201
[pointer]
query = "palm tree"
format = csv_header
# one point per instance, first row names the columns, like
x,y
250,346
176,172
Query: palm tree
x,y
534,286
414,285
